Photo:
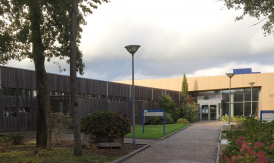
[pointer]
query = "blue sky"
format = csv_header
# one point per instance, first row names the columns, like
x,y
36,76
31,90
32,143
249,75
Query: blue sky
x,y
196,37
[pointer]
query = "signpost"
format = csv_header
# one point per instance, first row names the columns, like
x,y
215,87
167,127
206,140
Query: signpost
x,y
267,115
160,112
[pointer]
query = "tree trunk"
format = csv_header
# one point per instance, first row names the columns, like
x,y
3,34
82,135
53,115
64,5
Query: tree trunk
x,y
73,79
43,135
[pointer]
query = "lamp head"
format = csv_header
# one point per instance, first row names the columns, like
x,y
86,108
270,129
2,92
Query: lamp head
x,y
132,48
251,83
230,75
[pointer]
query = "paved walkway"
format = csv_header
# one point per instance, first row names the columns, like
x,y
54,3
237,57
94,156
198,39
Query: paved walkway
x,y
196,144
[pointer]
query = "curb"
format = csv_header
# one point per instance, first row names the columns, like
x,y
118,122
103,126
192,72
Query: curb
x,y
220,137
218,154
175,132
132,153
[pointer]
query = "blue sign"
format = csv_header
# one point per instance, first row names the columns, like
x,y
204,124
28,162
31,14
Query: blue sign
x,y
267,115
160,112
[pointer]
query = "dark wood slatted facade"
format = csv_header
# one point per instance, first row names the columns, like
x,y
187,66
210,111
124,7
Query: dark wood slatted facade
x,y
93,95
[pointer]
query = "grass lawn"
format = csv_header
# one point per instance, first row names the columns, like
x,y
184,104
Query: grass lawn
x,y
155,131
61,152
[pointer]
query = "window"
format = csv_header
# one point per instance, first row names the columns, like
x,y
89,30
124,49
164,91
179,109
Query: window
x,y
27,110
20,92
21,110
4,93
110,98
34,93
6,112
11,92
102,96
13,112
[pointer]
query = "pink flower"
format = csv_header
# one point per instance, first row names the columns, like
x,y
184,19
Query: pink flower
x,y
244,148
261,154
233,158
240,156
262,160
271,146
240,141
258,145
231,161
251,153
226,158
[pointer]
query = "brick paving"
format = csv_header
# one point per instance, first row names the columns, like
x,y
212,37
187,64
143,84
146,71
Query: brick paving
x,y
196,144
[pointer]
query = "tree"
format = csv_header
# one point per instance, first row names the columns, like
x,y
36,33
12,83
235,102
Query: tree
x,y
184,88
166,103
257,9
74,26
39,30
73,79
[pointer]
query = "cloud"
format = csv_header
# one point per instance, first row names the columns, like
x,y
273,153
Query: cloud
x,y
176,37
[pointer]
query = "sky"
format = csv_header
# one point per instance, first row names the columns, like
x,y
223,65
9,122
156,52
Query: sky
x,y
195,37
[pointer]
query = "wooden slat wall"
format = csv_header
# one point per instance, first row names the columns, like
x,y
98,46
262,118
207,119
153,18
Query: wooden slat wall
x,y
25,79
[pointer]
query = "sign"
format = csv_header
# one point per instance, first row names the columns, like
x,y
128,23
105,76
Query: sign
x,y
160,112
267,115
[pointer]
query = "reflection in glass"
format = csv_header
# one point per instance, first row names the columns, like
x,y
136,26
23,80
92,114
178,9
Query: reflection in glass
x,y
238,95
255,94
204,112
213,112
238,109
247,109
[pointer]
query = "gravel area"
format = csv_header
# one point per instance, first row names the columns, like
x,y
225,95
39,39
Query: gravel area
x,y
196,144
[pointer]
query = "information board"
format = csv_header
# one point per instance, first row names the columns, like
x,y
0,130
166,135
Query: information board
x,y
267,115
160,112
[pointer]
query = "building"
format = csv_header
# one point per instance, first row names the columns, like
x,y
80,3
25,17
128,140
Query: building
x,y
18,95
212,92
18,98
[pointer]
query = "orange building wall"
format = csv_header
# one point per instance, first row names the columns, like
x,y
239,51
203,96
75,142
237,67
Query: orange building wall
x,y
263,80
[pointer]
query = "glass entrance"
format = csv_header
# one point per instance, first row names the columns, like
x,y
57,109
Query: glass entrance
x,y
213,112
204,112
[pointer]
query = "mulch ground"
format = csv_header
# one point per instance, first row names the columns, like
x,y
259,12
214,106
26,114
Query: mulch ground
x,y
62,151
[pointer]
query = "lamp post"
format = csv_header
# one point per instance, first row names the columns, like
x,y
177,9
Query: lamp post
x,y
251,84
132,49
230,75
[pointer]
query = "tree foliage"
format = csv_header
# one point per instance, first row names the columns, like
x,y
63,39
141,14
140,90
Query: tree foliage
x,y
40,30
184,88
18,34
260,9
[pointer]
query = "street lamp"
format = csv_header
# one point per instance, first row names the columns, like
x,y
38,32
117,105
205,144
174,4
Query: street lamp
x,y
230,75
251,84
132,49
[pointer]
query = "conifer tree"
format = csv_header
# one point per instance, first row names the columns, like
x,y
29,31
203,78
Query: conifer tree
x,y
184,92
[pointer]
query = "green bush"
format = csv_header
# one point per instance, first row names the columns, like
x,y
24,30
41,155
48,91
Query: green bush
x,y
15,139
189,111
106,123
157,120
238,118
60,124
182,120
166,103
254,139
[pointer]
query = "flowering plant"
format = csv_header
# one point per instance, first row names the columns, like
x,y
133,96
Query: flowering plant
x,y
254,143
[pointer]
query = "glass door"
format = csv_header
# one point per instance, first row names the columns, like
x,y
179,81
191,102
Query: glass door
x,y
213,112
204,112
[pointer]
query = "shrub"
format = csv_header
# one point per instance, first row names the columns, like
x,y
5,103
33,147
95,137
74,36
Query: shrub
x,y
60,124
157,120
166,103
189,111
15,139
182,120
106,122
248,142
